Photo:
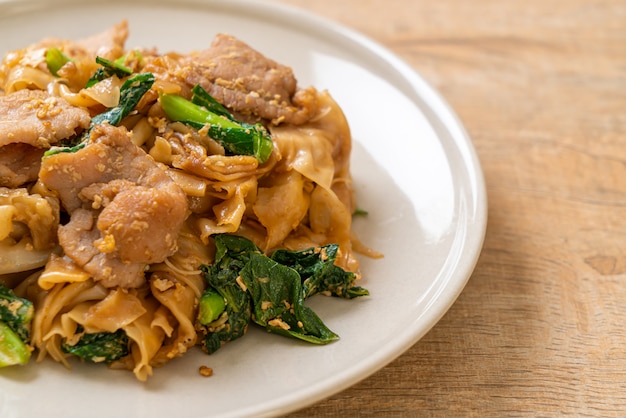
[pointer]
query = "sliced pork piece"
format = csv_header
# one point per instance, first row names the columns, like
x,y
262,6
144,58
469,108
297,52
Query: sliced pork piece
x,y
108,44
142,220
30,122
82,242
136,209
19,164
249,83
36,118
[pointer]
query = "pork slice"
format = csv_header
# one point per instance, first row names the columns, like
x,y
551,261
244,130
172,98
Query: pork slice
x,y
109,43
36,118
79,240
137,209
247,82
19,164
30,122
109,155
138,218
237,66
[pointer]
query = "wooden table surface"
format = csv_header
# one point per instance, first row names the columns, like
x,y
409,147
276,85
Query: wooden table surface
x,y
541,88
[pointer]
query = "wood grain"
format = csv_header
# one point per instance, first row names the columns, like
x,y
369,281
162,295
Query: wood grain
x,y
541,89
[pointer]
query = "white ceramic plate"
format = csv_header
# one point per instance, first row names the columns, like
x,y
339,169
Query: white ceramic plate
x,y
415,171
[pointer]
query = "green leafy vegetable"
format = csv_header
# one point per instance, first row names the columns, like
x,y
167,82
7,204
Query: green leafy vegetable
x,y
13,350
70,149
360,212
99,347
271,291
109,69
17,313
279,303
202,98
203,110
232,254
131,93
55,59
232,323
319,273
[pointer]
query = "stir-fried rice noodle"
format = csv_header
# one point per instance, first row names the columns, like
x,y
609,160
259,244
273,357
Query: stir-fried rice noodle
x,y
112,236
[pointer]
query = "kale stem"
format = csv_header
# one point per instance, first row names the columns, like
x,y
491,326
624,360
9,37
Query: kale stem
x,y
212,305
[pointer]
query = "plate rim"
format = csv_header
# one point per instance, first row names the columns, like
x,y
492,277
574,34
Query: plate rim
x,y
311,23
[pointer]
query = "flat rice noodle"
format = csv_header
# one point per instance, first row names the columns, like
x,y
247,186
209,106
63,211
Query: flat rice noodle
x,y
281,208
307,151
217,167
117,310
146,340
181,301
330,217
